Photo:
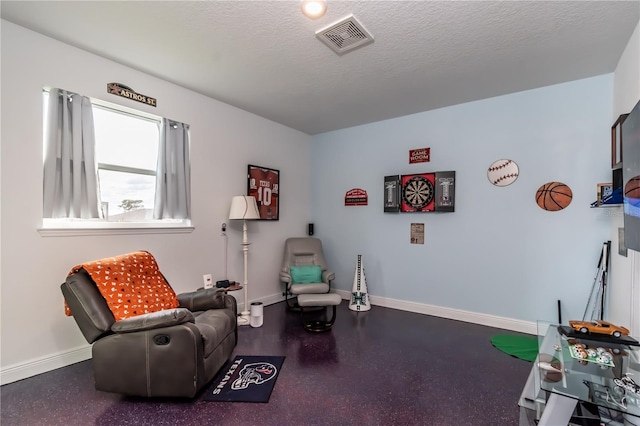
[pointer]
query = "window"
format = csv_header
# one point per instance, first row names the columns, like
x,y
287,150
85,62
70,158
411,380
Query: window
x,y
127,154
127,143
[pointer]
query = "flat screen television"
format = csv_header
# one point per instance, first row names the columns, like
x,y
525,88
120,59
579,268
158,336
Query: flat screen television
x,y
631,178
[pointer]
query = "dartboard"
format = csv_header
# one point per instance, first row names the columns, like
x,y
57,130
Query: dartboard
x,y
417,192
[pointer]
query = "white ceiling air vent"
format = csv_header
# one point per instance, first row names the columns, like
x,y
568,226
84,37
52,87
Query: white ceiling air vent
x,y
345,35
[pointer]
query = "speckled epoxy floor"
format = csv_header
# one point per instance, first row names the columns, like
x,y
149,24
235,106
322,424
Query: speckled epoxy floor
x,y
382,367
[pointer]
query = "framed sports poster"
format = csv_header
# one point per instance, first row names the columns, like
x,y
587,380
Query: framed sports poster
x,y
417,192
264,184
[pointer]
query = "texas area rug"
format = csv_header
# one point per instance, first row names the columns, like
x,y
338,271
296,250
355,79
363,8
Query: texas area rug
x,y
246,379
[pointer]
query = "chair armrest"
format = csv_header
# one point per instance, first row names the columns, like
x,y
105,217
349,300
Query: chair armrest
x,y
202,300
285,277
150,321
328,276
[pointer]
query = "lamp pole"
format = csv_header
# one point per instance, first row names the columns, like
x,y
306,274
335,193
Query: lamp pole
x,y
244,208
244,315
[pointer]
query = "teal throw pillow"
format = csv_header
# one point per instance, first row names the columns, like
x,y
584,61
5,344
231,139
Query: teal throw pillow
x,y
306,274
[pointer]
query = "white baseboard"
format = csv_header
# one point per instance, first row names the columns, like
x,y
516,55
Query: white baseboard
x,y
266,301
450,313
42,365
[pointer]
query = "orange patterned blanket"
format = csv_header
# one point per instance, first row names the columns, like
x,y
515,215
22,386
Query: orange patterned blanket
x,y
131,284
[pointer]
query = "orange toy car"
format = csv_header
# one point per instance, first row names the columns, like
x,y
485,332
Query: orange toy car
x,y
599,327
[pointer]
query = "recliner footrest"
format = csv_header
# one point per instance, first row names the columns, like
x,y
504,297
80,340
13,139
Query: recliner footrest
x,y
317,300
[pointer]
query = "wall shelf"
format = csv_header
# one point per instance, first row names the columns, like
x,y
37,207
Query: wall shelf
x,y
599,206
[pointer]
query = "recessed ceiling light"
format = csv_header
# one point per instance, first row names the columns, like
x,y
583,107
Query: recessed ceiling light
x,y
314,8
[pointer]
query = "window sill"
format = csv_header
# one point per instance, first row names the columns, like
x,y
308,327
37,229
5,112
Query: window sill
x,y
77,229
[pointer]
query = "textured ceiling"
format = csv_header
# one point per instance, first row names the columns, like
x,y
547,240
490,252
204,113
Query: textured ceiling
x,y
263,56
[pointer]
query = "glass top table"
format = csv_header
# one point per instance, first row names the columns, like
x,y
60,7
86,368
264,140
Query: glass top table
x,y
580,367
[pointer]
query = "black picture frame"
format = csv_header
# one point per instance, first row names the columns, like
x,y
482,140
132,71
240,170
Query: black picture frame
x,y
616,142
263,183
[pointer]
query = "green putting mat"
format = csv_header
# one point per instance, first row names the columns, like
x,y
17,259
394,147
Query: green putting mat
x,y
523,347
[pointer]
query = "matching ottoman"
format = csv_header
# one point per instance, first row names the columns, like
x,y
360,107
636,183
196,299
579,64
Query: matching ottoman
x,y
316,300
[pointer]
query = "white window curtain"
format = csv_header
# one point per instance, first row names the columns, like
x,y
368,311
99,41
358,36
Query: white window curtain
x,y
173,181
70,169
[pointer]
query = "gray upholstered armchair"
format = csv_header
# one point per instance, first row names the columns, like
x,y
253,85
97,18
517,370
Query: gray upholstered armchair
x,y
168,353
304,252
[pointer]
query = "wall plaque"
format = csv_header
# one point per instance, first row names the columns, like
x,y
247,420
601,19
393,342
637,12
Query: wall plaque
x,y
356,197
417,233
127,92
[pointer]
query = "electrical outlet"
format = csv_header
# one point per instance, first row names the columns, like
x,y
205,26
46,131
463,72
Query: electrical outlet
x,y
208,281
223,227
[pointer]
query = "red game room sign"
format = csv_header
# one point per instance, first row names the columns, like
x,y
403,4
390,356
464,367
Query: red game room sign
x,y
420,155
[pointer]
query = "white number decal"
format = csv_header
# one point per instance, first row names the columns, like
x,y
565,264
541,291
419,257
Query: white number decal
x,y
264,196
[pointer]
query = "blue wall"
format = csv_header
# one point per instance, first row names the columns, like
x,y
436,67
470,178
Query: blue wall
x,y
499,253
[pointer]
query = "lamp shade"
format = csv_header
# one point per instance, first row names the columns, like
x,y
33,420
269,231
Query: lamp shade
x,y
244,207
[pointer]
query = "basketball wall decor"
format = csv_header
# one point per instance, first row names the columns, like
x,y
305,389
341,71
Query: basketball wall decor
x,y
632,188
503,172
554,196
631,201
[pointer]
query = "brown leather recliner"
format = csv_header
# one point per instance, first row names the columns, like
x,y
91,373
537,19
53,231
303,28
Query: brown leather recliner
x,y
169,353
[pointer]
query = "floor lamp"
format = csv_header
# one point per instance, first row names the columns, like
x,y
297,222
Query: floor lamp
x,y
244,208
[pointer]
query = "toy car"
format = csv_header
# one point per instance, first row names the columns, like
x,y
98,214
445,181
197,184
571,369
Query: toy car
x,y
599,327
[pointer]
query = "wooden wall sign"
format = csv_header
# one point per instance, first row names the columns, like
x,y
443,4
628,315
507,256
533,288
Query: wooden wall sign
x,y
356,197
127,92
420,155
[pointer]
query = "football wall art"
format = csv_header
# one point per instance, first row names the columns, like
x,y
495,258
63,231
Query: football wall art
x,y
264,184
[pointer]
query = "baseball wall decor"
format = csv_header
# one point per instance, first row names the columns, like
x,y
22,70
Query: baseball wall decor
x,y
503,172
554,196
